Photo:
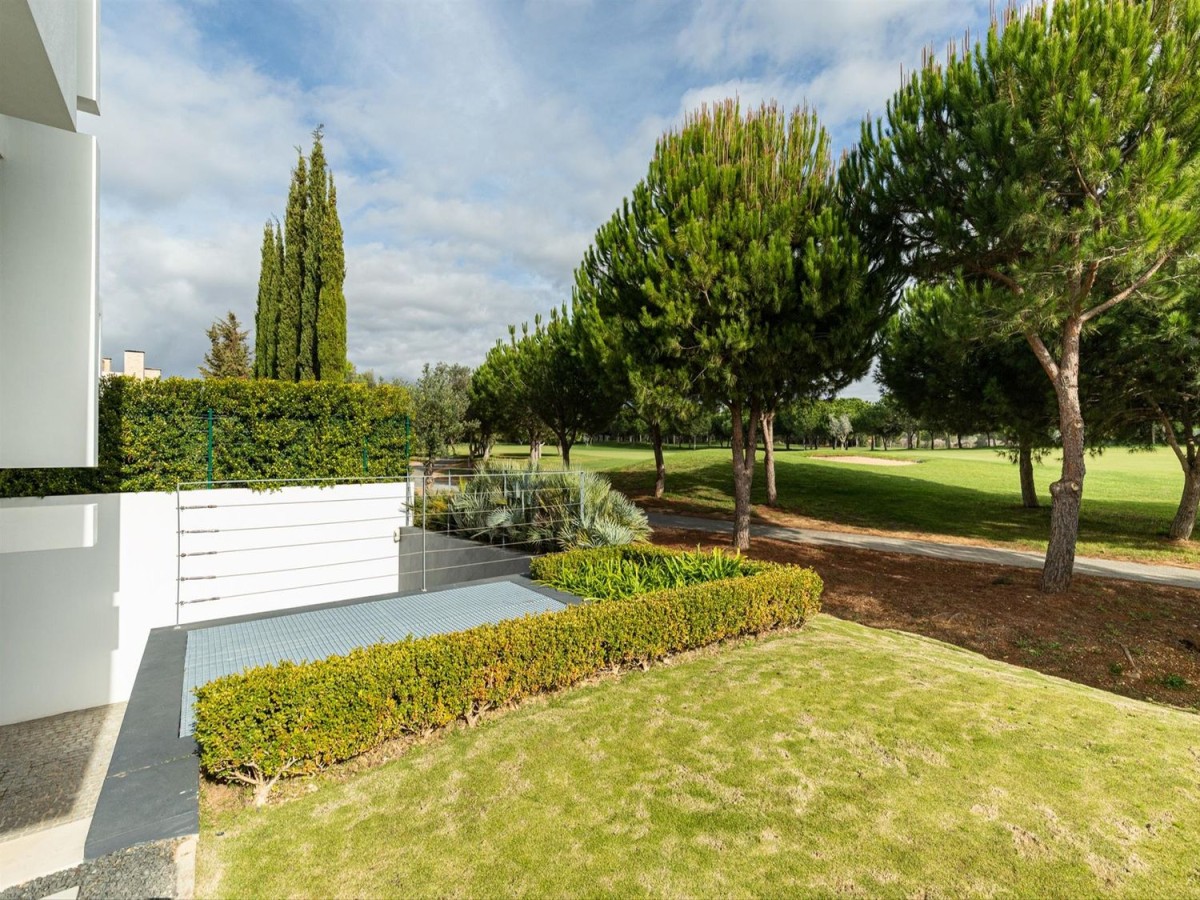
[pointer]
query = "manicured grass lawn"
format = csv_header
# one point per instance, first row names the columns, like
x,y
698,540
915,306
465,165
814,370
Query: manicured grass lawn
x,y
838,759
1129,498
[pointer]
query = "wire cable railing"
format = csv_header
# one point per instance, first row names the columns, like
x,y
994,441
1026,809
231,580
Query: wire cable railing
x,y
308,535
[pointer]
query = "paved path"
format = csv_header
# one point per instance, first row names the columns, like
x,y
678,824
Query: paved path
x,y
1174,576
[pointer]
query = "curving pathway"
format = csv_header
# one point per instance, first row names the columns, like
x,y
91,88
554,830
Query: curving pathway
x,y
1173,576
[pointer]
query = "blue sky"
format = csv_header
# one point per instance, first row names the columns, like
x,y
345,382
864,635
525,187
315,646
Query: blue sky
x,y
476,146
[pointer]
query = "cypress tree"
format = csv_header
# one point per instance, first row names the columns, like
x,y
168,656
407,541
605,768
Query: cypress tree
x,y
267,312
301,317
278,293
310,285
294,241
331,304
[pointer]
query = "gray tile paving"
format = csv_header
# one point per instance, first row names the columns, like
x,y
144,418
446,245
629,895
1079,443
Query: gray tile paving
x,y
316,634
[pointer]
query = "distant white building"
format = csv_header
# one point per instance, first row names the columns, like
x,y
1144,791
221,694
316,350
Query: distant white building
x,y
49,303
135,367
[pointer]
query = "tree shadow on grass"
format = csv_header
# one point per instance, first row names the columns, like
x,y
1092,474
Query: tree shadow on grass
x,y
889,501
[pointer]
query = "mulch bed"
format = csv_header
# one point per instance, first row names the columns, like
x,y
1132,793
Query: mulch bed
x,y
1139,640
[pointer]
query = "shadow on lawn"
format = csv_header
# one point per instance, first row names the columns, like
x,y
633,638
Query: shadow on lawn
x,y
890,501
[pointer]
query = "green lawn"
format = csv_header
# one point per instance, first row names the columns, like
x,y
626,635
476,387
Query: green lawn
x,y
838,759
1129,498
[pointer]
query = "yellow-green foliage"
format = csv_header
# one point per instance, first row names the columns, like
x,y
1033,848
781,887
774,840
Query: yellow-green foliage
x,y
297,718
625,571
154,434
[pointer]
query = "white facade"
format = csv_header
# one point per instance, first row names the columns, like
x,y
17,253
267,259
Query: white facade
x,y
49,304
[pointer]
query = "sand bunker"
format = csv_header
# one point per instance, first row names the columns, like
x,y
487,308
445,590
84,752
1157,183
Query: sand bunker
x,y
868,460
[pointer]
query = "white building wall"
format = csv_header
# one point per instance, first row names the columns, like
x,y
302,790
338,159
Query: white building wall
x,y
49,308
49,305
87,63
74,618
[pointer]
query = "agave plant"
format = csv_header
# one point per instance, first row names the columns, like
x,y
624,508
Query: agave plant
x,y
541,511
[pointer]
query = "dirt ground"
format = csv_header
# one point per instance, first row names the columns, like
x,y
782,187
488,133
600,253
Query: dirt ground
x,y
1135,639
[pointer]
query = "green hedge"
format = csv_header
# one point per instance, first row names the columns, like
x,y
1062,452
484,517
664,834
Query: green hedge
x,y
618,572
297,718
154,434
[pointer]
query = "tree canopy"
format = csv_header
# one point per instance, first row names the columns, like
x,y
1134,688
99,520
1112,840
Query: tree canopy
x,y
1053,171
732,266
1154,360
953,378
439,402
229,355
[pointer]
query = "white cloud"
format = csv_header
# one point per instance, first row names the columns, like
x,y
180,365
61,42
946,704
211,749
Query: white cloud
x,y
844,59
160,292
474,161
411,308
731,33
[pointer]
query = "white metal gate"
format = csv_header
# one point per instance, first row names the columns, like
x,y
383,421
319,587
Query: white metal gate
x,y
246,547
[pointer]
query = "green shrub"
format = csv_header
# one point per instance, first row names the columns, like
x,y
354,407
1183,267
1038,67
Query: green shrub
x,y
619,572
540,511
154,434
297,718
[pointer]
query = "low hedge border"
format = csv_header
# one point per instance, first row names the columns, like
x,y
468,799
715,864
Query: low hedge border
x,y
294,719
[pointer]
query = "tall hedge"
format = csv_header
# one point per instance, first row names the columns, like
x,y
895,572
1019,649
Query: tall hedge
x,y
154,435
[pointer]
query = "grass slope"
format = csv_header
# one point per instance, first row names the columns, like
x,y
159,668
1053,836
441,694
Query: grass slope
x,y
1129,498
837,759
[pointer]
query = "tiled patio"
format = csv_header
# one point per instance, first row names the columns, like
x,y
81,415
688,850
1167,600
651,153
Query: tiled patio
x,y
316,634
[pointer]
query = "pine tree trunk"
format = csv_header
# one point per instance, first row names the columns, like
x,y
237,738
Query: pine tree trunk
x,y
768,432
744,445
1185,518
660,465
1029,498
1066,493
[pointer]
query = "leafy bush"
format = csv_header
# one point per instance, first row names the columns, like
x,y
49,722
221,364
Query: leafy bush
x,y
293,719
154,434
539,511
619,572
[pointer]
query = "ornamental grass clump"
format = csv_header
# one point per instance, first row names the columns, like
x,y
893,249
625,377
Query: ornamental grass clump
x,y
619,572
540,512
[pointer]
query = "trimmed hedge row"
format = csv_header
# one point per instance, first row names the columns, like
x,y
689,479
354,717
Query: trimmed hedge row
x,y
297,718
154,434
624,571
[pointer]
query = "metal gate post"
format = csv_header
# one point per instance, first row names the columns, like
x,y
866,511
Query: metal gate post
x,y
178,555
210,447
581,498
424,524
